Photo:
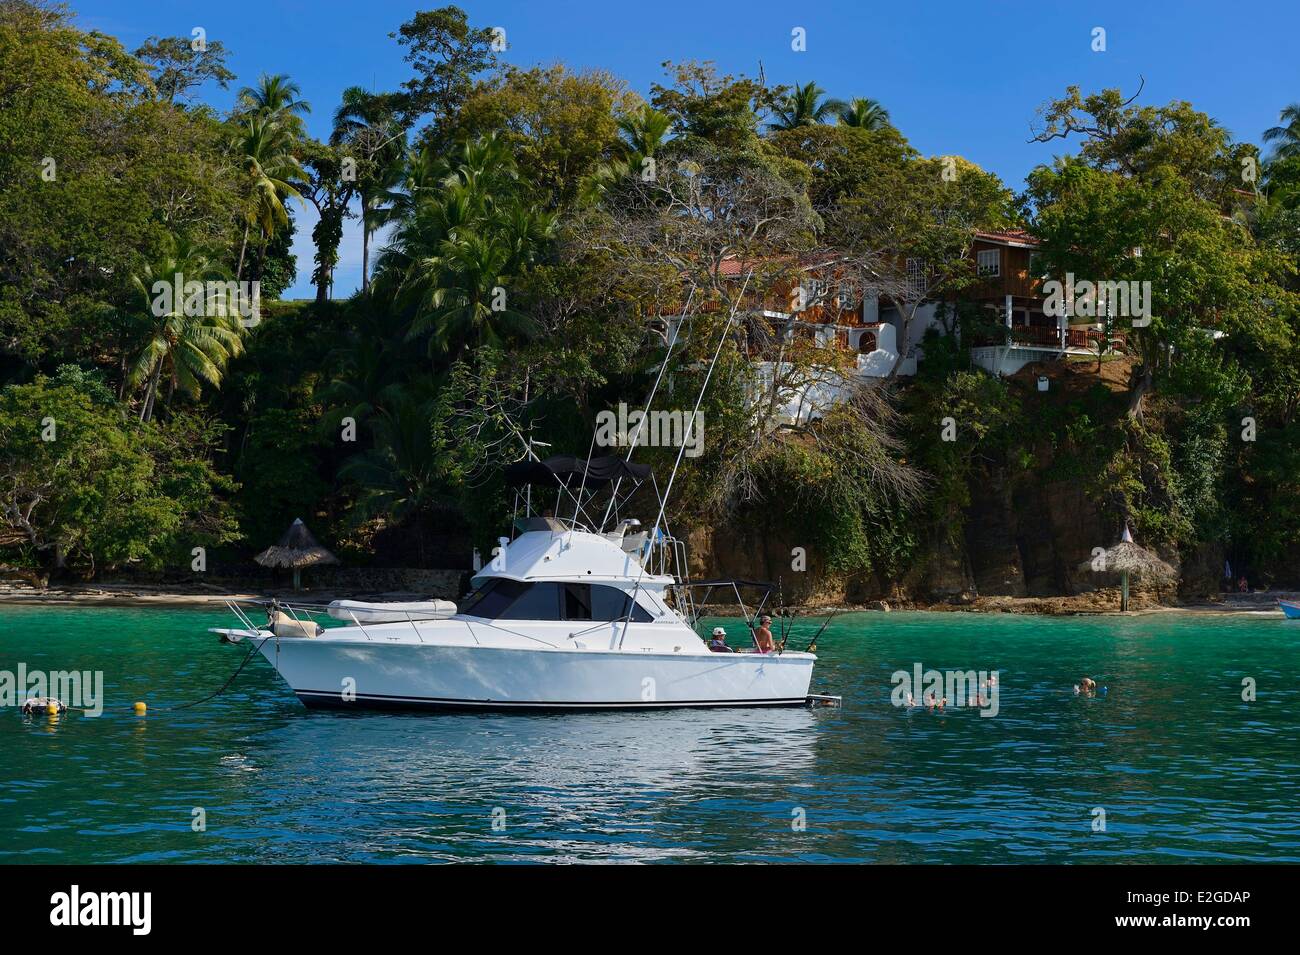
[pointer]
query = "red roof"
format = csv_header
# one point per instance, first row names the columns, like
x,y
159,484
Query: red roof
x,y
1008,236
733,266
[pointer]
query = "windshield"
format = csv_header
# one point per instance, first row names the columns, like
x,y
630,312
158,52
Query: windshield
x,y
501,599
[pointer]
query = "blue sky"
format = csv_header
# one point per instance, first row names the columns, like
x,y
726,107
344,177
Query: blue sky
x,y
957,77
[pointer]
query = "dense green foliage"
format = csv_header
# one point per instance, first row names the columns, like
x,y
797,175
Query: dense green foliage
x,y
541,230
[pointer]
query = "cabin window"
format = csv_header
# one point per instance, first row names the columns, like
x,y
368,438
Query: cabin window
x,y
501,599
846,297
577,602
989,263
600,603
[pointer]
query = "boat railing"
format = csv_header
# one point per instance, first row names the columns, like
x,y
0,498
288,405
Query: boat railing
x,y
310,611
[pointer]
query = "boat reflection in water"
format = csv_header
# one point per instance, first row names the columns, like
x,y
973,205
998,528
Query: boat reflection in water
x,y
624,786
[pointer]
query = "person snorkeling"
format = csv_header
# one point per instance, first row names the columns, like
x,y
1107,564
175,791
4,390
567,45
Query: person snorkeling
x,y
1088,687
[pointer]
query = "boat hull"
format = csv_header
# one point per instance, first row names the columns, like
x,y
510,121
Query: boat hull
x,y
1292,610
356,675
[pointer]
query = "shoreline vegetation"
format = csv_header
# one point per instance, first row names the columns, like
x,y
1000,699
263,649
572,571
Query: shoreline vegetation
x,y
543,245
1096,603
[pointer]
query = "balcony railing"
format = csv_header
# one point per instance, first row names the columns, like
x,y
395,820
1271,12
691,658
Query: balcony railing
x,y
1047,336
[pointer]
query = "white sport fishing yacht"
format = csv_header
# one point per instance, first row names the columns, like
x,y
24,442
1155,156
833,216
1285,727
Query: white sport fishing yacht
x,y
567,615
562,617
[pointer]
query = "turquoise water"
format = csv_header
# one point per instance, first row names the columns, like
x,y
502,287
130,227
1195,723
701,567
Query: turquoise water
x,y
1184,769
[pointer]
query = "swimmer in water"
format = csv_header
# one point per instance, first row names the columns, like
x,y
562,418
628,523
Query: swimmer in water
x,y
1087,687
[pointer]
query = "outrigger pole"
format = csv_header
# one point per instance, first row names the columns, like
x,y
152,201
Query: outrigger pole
x,y
672,341
699,399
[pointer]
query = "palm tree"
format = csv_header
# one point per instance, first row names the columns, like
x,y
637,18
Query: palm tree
x,y
645,130
276,98
452,257
468,305
266,159
804,107
189,340
1287,136
367,124
863,113
399,476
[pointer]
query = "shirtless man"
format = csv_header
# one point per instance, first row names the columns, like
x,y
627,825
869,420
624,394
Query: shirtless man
x,y
763,635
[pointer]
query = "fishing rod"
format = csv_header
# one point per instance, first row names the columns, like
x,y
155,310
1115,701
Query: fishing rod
x,y
812,644
690,424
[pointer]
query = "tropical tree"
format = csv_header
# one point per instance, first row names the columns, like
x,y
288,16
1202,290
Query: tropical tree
x,y
399,476
264,150
367,129
804,106
177,67
1286,135
862,113
454,257
644,131
185,339
326,189
276,98
107,491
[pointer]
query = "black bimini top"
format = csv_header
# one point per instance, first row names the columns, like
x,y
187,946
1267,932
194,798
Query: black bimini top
x,y
733,582
568,470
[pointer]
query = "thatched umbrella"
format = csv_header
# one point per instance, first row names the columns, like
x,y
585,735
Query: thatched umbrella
x,y
1126,558
297,549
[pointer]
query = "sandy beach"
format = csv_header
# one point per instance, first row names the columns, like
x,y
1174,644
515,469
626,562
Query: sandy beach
x,y
1102,602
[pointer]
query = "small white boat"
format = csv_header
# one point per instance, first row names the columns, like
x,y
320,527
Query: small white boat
x,y
564,618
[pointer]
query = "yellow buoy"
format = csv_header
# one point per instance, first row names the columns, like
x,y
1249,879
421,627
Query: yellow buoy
x,y
140,708
52,709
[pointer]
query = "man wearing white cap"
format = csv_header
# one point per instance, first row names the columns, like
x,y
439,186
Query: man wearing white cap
x,y
719,642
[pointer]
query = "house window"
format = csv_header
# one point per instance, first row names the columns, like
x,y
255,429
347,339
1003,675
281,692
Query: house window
x,y
917,282
814,291
846,297
989,263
